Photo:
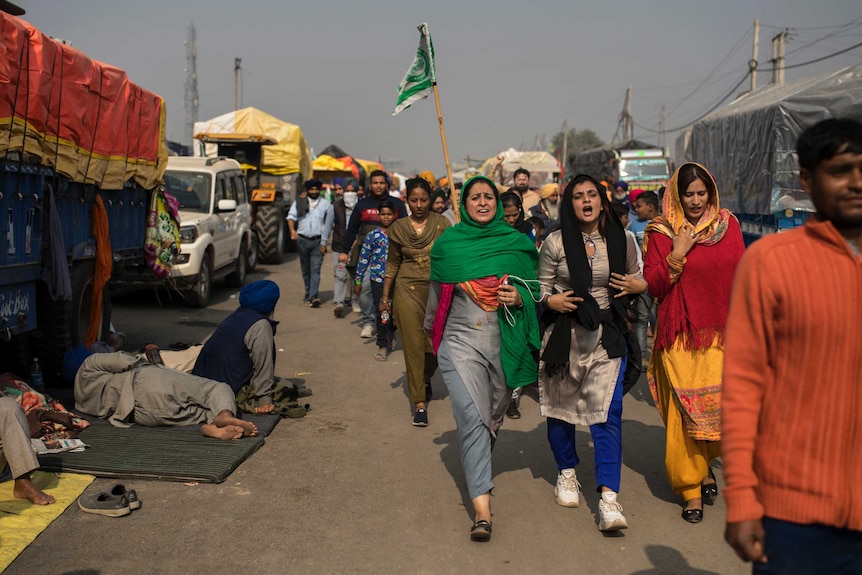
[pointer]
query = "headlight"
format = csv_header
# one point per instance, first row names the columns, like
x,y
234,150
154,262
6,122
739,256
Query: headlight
x,y
188,234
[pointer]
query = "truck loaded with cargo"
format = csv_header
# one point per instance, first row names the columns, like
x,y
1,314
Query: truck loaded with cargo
x,y
276,160
640,164
749,146
82,153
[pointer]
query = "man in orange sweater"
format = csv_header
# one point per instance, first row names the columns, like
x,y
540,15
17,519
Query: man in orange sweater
x,y
792,396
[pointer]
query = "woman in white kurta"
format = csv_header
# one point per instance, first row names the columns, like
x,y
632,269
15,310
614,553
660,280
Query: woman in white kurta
x,y
588,267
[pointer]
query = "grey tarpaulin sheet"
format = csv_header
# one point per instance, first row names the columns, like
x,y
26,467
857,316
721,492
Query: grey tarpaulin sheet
x,y
749,145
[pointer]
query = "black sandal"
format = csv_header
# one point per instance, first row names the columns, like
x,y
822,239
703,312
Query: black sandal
x,y
692,515
481,531
709,491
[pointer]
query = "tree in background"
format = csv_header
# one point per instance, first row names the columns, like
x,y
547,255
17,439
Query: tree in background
x,y
579,140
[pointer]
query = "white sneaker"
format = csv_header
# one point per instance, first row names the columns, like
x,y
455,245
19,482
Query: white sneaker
x,y
611,516
568,489
354,307
367,331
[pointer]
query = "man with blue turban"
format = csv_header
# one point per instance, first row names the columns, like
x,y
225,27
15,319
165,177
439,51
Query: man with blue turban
x,y
241,351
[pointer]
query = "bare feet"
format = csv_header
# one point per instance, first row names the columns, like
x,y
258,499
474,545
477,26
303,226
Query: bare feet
x,y
25,489
266,408
225,433
226,419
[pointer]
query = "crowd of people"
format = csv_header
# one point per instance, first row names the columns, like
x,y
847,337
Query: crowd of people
x,y
755,355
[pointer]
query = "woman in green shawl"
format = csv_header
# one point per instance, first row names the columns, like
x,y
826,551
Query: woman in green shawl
x,y
482,318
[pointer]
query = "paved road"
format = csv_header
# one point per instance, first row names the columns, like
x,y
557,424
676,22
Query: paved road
x,y
355,488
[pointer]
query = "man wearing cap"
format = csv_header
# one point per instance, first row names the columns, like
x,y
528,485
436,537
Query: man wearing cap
x,y
310,223
241,351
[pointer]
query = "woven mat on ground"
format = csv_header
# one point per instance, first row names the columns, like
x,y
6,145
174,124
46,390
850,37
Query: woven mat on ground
x,y
21,521
165,453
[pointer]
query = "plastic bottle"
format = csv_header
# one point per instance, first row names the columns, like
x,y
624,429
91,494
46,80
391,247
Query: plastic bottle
x,y
36,381
384,317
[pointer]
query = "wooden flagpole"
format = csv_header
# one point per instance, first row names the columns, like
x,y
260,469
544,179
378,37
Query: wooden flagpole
x,y
453,192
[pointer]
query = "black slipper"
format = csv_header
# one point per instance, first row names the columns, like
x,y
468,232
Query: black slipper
x,y
481,531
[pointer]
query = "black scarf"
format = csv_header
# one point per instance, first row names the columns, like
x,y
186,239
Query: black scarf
x,y
588,314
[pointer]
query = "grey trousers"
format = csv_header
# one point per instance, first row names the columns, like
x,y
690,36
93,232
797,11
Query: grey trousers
x,y
15,439
474,438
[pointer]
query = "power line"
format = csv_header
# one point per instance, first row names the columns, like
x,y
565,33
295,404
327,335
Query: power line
x,y
846,27
845,50
709,75
738,84
703,115
807,27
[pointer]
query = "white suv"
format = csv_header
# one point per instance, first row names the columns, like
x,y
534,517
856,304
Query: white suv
x,y
216,238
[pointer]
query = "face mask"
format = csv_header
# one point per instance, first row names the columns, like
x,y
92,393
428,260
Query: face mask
x,y
350,199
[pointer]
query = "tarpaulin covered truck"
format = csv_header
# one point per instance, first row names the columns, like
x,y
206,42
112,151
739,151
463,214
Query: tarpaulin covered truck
x,y
640,164
81,149
277,160
749,147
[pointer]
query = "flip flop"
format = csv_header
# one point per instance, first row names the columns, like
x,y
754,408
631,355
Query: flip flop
x,y
380,356
295,411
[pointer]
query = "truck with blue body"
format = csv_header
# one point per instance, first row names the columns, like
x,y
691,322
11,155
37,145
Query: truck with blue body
x,y
82,150
749,146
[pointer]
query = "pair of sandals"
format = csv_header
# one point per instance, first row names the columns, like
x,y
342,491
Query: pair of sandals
x,y
708,495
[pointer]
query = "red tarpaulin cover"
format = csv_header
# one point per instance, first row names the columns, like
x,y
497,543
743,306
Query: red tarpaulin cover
x,y
81,117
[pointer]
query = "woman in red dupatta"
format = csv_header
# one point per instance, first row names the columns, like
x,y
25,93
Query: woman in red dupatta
x,y
690,257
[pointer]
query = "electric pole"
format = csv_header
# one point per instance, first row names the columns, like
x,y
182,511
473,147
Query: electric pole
x,y
236,69
661,127
190,95
630,128
778,46
565,158
782,39
752,64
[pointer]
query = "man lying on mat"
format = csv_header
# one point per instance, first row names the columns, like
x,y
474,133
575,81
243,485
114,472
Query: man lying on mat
x,y
126,389
16,450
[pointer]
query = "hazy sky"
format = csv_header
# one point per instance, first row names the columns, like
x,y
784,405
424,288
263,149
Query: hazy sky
x,y
507,70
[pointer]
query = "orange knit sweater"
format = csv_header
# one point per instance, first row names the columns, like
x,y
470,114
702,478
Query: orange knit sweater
x,y
792,395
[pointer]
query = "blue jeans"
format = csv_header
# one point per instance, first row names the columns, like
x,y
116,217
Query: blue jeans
x,y
310,260
383,329
607,441
793,548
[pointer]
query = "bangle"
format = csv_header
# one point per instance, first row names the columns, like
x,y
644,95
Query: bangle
x,y
385,300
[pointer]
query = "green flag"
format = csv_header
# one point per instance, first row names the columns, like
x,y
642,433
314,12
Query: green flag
x,y
418,80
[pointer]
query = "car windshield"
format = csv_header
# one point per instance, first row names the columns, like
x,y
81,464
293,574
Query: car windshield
x,y
643,169
191,189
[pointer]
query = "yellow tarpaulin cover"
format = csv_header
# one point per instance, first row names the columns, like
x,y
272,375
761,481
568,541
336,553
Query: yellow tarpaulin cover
x,y
328,163
21,521
290,155
369,165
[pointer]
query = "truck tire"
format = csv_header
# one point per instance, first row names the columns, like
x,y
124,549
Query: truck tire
x,y
270,229
237,278
199,295
78,309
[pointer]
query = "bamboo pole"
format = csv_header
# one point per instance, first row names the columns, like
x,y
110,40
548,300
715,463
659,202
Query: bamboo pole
x,y
453,192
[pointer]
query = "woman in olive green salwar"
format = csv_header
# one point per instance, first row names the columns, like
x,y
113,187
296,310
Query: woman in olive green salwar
x,y
407,279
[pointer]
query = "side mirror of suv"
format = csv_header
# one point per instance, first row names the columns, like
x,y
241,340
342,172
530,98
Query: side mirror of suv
x,y
226,205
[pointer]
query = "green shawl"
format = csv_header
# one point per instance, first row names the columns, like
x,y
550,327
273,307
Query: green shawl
x,y
469,251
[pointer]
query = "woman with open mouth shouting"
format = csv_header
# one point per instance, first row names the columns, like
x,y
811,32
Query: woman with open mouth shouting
x,y
588,270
